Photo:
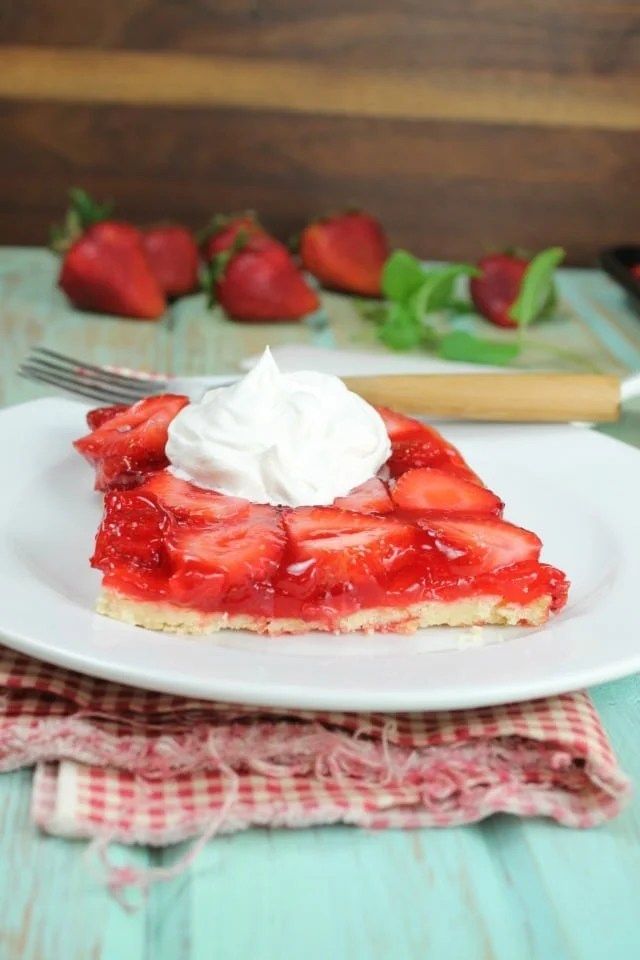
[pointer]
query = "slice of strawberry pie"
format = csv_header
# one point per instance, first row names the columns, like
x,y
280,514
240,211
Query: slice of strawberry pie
x,y
419,542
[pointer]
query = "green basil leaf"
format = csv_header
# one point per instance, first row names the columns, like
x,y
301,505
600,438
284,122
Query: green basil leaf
x,y
462,308
437,291
460,345
402,274
400,331
537,286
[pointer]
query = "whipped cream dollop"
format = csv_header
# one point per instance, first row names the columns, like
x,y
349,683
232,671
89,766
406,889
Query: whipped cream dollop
x,y
288,439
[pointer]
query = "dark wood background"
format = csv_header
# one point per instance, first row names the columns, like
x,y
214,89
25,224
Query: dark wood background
x,y
464,124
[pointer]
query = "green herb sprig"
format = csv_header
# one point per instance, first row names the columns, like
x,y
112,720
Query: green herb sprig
x,y
421,301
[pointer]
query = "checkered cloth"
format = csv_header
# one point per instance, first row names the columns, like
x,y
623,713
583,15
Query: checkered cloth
x,y
119,763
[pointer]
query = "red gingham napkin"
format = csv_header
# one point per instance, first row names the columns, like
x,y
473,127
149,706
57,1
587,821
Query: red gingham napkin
x,y
114,762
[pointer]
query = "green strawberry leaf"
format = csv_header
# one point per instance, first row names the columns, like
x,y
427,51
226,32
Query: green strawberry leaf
x,y
402,274
460,345
400,330
537,293
83,213
88,210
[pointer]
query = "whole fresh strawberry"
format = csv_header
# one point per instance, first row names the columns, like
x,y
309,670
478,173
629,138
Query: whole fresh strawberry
x,y
257,280
107,271
172,253
346,252
222,231
496,288
104,266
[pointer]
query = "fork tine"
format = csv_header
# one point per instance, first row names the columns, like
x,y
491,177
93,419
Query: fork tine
x,y
132,391
86,389
103,373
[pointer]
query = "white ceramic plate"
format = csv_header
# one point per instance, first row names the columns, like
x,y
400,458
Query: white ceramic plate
x,y
578,489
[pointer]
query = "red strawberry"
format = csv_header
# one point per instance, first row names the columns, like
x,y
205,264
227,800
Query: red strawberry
x,y
496,289
173,256
132,531
475,547
635,270
230,554
398,426
337,548
427,449
346,252
370,497
259,281
430,489
191,503
100,415
222,232
106,270
130,445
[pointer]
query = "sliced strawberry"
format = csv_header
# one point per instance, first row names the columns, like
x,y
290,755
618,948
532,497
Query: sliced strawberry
x,y
428,449
230,554
398,426
476,547
100,415
430,489
336,547
188,502
130,445
370,497
132,532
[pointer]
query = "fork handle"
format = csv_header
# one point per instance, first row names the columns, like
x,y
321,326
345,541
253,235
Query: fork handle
x,y
541,397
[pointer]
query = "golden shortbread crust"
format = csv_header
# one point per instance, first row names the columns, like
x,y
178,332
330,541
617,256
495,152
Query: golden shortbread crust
x,y
480,610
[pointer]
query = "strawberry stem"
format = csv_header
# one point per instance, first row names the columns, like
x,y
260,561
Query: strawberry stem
x,y
83,212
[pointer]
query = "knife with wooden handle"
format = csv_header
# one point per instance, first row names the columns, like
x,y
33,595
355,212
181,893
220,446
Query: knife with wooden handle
x,y
526,397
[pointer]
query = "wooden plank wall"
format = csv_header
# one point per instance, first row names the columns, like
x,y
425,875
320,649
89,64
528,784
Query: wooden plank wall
x,y
464,124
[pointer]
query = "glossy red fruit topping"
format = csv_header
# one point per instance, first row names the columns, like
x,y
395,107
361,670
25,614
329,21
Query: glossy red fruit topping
x,y
133,532
427,449
186,501
497,287
398,426
227,555
475,547
370,497
95,418
429,489
337,547
129,445
173,256
346,252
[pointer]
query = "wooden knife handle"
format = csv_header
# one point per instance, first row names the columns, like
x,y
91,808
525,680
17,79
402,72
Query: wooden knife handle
x,y
542,397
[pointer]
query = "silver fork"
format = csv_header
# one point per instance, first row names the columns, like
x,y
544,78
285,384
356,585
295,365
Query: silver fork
x,y
489,397
103,383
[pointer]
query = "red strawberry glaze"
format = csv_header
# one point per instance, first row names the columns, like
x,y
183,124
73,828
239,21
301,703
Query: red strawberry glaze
x,y
126,444
168,540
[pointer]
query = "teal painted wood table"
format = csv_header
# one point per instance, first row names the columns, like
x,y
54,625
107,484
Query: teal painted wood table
x,y
504,889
